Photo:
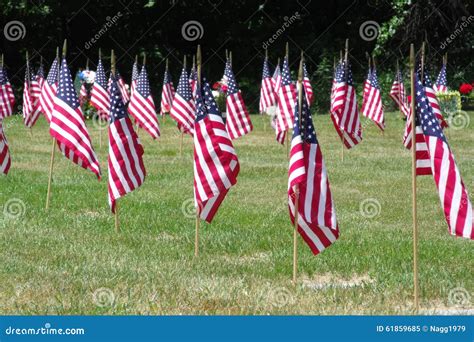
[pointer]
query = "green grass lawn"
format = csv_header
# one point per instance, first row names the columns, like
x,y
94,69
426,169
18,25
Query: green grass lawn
x,y
70,260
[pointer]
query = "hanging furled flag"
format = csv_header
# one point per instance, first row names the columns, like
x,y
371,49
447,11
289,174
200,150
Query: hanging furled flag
x,y
366,88
344,112
441,85
83,93
307,172
286,99
238,121
68,126
307,85
40,75
167,94
142,106
267,94
100,98
372,105
126,169
35,93
122,87
423,165
183,108
7,99
398,95
431,94
193,80
5,161
48,91
216,165
276,83
28,99
452,192
276,80
135,74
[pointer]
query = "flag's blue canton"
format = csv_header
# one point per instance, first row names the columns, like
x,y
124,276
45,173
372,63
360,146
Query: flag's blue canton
x,y
184,88
209,100
143,86
117,108
374,82
167,78
424,112
306,127
305,71
66,91
201,110
399,77
27,72
340,73
3,76
100,75
40,72
232,87
442,77
135,73
266,69
285,75
427,79
369,75
32,77
193,74
53,73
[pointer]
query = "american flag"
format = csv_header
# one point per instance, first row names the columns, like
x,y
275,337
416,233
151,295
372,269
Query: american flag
x,y
238,121
216,165
183,108
307,85
7,99
452,192
126,169
193,81
28,99
317,222
286,100
5,160
441,85
35,93
372,105
398,95
48,91
167,94
366,90
267,94
68,126
100,97
83,93
40,76
431,94
142,106
344,112
135,74
276,82
122,87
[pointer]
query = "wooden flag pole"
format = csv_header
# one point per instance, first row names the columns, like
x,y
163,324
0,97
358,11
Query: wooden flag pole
x,y
399,92
226,55
112,70
297,189
230,58
53,146
1,63
198,219
182,132
413,149
29,78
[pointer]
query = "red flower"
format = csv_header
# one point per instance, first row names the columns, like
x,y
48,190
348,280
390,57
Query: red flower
x,y
465,88
216,86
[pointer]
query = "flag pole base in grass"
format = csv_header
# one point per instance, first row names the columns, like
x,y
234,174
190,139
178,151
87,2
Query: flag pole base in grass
x,y
295,236
196,236
51,164
116,218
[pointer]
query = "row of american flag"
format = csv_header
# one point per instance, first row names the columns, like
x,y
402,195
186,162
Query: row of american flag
x,y
216,165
